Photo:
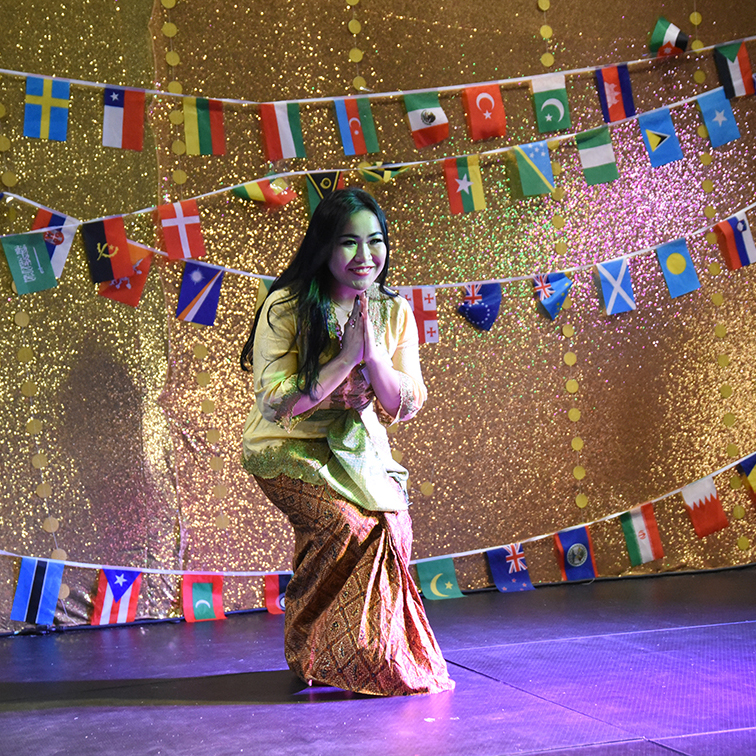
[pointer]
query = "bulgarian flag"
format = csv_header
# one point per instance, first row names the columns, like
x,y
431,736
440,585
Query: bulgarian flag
x,y
641,534
734,68
427,119
464,184
275,192
203,126
281,130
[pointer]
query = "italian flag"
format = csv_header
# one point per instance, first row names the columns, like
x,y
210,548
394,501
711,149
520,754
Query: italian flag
x,y
597,156
642,534
464,184
203,126
281,130
734,68
427,119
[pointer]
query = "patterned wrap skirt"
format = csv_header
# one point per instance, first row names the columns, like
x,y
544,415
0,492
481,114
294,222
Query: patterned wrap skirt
x,y
354,619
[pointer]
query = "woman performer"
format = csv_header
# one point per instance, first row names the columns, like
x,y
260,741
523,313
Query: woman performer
x,y
335,358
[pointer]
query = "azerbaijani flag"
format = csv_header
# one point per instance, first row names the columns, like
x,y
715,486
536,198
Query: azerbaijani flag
x,y
281,130
355,119
203,126
464,184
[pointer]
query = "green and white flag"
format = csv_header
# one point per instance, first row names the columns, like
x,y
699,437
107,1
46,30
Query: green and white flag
x,y
597,156
550,102
29,263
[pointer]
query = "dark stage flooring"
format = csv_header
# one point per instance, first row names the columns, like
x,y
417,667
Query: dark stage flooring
x,y
650,666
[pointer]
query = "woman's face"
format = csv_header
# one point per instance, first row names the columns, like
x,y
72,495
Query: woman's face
x,y
358,256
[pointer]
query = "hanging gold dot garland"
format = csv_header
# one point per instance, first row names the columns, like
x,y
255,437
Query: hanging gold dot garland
x,y
174,86
546,33
8,177
356,53
696,19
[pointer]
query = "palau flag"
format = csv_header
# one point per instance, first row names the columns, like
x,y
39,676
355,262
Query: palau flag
x,y
615,286
275,592
677,268
46,108
551,290
574,552
534,165
37,591
508,568
438,579
356,125
718,117
200,293
659,136
481,305
202,597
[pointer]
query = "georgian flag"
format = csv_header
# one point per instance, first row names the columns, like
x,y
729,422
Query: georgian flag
x,y
422,300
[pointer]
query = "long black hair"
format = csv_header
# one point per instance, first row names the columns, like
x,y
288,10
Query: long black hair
x,y
309,280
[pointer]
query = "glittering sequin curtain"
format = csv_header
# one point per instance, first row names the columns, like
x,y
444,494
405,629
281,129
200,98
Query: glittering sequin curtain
x,y
121,426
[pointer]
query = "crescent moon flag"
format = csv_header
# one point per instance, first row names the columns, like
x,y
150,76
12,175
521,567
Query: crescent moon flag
x,y
615,93
438,579
641,534
129,290
356,126
281,130
275,592
484,112
182,232
704,507
597,156
58,237
550,102
37,591
200,293
202,597
117,596
107,249
427,119
574,552
677,267
660,138
509,569
203,126
464,185
422,300
734,68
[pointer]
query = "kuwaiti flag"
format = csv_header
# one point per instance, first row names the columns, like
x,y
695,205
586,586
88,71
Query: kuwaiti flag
x,y
718,117
58,236
37,590
509,569
356,126
422,300
736,241
667,39
203,126
281,130
615,286
734,68
597,156
202,597
481,305
29,263
129,290
534,167
117,596
438,579
46,108
273,192
747,469
484,112
677,267
427,119
659,136
182,232
574,553
275,593
551,290
550,102
615,93
123,118
107,249
464,185
200,293
704,508
641,534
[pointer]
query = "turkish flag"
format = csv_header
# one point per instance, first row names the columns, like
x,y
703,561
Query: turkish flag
x,y
484,111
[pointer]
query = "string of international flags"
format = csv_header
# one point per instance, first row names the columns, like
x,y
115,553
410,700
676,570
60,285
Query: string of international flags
x,y
116,596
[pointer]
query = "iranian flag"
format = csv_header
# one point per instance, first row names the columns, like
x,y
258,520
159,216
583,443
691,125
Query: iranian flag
x,y
281,130
734,68
427,119
642,534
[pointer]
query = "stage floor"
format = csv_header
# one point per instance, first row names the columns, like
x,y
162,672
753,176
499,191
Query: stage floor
x,y
630,667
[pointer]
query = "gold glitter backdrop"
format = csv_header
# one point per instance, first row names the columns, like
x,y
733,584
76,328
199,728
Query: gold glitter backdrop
x,y
121,426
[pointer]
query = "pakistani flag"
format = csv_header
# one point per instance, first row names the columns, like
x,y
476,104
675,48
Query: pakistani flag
x,y
534,165
550,102
438,579
597,156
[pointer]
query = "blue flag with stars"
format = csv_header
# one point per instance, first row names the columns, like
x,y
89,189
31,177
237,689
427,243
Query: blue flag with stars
x,y
200,291
677,267
551,290
718,117
481,305
508,568
660,137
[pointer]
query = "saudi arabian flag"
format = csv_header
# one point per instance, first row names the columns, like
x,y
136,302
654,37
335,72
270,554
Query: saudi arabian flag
x,y
550,102
597,156
29,263
438,579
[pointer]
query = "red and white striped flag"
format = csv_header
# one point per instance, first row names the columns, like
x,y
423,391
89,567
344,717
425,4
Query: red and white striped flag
x,y
117,596
704,508
422,300
182,232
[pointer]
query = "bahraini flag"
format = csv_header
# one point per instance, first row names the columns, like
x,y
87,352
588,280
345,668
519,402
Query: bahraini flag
x,y
356,126
281,130
735,241
597,156
427,120
58,235
615,93
422,300
123,118
46,108
667,39
704,507
641,534
117,596
464,185
438,579
734,68
37,591
615,286
202,597
203,126
550,102
718,117
534,167
484,112
660,138
181,230
29,263
677,267
200,293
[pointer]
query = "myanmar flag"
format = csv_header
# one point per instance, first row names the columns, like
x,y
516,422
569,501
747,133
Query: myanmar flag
x,y
107,249
355,119
281,130
202,597
203,126
427,119
464,185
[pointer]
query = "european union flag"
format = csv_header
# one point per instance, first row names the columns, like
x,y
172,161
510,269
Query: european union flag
x,y
46,108
660,137
438,579
199,295
574,550
718,117
677,268
551,291
481,305
508,568
615,286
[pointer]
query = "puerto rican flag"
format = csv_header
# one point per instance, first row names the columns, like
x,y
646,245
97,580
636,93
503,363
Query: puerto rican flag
x,y
422,300
182,232
60,233
123,118
117,596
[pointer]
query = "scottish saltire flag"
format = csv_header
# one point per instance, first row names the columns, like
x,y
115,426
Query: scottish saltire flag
x,y
182,230
641,534
37,591
117,596
667,39
422,300
574,551
275,593
677,267
704,507
659,136
615,93
29,263
735,241
597,156
747,469
320,185
427,120
46,108
464,185
123,118
615,286
438,579
202,597
58,237
734,68
481,305
718,117
508,568
199,295
551,290
356,126
281,130
534,165
204,130
273,192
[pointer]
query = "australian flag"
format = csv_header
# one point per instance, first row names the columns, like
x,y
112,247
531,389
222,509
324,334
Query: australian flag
x,y
508,568
551,290
481,305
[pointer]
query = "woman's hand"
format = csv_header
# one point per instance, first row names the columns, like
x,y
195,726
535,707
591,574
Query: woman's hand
x,y
353,335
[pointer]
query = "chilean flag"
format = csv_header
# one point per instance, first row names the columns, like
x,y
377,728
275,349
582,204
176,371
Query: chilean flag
x,y
117,596
123,118
615,93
